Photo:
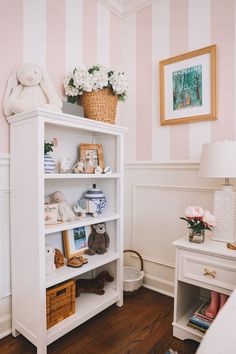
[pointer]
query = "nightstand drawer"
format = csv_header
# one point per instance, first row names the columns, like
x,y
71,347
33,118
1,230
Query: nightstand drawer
x,y
197,267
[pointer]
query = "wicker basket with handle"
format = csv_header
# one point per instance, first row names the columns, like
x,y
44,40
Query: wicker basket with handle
x,y
100,105
133,277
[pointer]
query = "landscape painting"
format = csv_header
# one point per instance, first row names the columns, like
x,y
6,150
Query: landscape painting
x,y
187,87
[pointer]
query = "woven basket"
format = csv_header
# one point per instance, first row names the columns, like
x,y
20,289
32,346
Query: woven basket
x,y
100,105
133,277
60,302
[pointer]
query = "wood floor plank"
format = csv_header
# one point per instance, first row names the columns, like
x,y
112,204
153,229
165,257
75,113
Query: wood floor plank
x,y
141,326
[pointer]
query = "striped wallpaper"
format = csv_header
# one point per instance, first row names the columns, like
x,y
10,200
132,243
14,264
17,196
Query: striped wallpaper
x,y
59,34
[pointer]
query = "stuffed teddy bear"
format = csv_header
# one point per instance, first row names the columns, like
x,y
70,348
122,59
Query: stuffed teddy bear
x,y
64,210
94,285
49,258
29,87
98,240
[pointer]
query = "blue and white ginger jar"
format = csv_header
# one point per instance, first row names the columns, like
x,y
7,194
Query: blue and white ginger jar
x,y
97,197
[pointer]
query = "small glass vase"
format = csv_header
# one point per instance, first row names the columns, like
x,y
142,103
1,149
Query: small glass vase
x,y
196,236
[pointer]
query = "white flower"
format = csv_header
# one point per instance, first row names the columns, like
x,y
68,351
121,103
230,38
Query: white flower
x,y
194,212
208,218
95,78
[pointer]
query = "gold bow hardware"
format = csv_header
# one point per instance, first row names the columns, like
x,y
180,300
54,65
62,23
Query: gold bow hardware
x,y
208,272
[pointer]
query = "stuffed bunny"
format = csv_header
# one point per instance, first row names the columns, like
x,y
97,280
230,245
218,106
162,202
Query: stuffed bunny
x,y
29,87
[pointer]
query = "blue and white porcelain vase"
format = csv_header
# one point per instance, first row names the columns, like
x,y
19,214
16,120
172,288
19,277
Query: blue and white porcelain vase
x,y
49,164
97,197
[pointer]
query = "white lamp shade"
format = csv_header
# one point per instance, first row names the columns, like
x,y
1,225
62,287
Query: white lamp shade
x,y
218,159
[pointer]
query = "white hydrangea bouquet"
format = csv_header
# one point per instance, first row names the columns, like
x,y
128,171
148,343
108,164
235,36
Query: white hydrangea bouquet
x,y
95,78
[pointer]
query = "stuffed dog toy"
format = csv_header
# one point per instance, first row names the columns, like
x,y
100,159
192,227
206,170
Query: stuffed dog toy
x,y
29,87
94,285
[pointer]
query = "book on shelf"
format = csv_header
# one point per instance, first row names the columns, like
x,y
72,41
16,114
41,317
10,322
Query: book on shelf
x,y
199,320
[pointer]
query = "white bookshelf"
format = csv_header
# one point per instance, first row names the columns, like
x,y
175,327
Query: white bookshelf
x,y
29,185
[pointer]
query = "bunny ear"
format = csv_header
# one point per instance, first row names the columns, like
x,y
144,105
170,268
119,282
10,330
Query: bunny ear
x,y
50,92
12,83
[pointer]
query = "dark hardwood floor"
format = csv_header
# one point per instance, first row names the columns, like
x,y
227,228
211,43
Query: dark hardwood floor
x,y
142,325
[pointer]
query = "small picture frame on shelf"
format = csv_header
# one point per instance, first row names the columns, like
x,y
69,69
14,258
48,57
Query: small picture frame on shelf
x,y
75,241
92,157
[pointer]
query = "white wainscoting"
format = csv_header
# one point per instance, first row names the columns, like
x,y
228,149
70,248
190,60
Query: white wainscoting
x,y
5,258
156,195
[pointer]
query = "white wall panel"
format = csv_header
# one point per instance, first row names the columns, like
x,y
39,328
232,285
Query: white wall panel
x,y
156,223
5,259
34,31
156,195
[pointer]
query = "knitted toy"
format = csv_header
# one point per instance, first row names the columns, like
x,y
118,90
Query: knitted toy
x,y
64,210
98,240
29,87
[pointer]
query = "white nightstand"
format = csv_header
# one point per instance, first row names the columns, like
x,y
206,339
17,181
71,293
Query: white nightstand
x,y
193,285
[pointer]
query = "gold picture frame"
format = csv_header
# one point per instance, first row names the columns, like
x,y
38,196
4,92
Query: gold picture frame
x,y
188,87
75,241
92,157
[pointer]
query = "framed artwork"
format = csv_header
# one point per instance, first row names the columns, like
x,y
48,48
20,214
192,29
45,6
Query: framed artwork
x,y
188,87
75,241
92,157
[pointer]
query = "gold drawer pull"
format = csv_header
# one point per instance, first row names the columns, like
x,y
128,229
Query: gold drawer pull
x,y
208,272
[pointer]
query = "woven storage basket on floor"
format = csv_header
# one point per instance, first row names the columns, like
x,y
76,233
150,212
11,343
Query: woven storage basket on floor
x,y
100,105
60,302
133,277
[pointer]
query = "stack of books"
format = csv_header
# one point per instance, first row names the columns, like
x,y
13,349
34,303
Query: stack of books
x,y
199,320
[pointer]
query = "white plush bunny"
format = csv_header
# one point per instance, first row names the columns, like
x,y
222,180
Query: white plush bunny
x,y
29,87
50,259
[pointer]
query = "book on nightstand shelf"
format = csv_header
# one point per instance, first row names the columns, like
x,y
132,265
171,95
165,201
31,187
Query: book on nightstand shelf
x,y
199,320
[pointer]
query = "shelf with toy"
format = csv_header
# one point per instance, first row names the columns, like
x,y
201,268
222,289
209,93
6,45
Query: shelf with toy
x,y
80,175
87,305
86,221
65,273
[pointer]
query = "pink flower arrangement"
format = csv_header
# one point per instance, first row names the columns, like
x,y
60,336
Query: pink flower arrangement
x,y
198,219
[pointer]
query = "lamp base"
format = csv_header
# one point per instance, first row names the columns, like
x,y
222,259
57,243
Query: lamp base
x,y
224,212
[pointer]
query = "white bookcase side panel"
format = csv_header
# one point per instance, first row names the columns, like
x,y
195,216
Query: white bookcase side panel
x,y
28,267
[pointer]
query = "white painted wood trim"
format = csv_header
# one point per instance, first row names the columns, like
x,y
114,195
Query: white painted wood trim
x,y
124,8
5,236
163,165
4,159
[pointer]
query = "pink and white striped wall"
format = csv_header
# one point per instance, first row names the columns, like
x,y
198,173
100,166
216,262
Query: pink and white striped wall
x,y
60,34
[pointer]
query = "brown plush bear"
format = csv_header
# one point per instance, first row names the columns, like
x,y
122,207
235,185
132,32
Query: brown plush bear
x,y
98,240
94,285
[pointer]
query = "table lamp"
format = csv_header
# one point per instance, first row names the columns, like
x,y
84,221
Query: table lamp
x,y
218,160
